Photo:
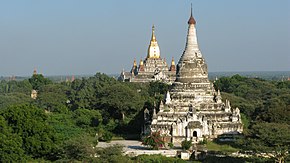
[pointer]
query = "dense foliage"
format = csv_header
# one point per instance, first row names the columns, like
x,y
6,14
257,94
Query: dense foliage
x,y
157,158
34,135
265,106
67,119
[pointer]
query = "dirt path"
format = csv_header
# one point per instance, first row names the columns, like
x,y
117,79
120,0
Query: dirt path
x,y
134,148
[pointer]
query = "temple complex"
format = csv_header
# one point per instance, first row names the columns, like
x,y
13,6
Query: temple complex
x,y
193,109
152,68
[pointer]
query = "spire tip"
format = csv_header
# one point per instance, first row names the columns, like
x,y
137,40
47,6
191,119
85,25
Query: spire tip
x,y
191,19
191,9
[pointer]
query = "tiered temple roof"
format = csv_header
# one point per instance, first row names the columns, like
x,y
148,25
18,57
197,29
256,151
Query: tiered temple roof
x,y
152,68
193,109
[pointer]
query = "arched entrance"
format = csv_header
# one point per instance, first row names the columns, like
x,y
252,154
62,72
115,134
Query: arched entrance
x,y
194,134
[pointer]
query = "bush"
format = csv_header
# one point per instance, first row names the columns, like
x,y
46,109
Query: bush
x,y
157,158
154,140
107,136
186,144
170,145
79,148
111,154
203,142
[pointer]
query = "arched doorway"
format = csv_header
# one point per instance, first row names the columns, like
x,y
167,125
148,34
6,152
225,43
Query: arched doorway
x,y
194,134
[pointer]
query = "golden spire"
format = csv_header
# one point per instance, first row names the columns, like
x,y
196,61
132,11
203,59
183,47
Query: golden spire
x,y
153,37
153,49
135,63
172,61
141,62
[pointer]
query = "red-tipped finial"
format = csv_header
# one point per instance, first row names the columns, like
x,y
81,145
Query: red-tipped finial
x,y
191,19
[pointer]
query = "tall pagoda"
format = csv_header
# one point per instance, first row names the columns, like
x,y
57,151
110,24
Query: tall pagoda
x,y
193,109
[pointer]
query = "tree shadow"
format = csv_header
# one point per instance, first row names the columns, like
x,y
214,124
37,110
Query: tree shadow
x,y
138,147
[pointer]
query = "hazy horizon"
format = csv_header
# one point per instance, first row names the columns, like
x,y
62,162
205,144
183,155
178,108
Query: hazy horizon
x,y
85,37
220,73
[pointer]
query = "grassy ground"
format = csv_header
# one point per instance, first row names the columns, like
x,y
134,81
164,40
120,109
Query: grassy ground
x,y
117,138
225,148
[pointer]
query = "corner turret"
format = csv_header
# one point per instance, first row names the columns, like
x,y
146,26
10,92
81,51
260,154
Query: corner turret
x,y
218,97
141,65
167,98
134,67
172,67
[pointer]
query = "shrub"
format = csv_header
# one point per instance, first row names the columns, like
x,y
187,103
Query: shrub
x,y
106,136
111,154
154,140
170,145
157,158
186,144
203,142
79,148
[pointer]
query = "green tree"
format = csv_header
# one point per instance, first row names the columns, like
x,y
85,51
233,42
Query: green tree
x,y
38,80
272,134
157,88
275,110
268,137
15,86
79,148
83,94
265,105
53,97
14,98
64,125
10,144
120,100
111,154
29,122
87,118
283,84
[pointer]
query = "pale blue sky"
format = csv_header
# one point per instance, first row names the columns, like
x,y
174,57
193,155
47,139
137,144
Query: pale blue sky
x,y
61,37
